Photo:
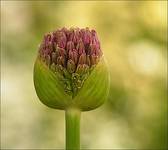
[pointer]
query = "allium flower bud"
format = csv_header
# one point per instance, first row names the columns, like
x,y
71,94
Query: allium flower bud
x,y
70,70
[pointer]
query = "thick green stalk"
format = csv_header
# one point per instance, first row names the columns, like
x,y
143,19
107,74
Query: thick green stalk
x,y
72,116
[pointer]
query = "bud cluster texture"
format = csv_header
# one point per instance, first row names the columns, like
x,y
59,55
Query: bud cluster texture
x,y
71,54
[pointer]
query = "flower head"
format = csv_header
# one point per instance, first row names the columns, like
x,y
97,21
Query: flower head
x,y
70,71
71,52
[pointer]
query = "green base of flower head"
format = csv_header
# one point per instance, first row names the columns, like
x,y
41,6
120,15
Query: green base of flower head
x,y
50,87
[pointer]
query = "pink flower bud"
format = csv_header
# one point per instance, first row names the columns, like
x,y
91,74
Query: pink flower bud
x,y
60,38
80,47
88,60
82,59
70,46
73,55
61,52
73,49
86,36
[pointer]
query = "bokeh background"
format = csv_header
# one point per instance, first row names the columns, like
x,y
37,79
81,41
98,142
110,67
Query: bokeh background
x,y
133,39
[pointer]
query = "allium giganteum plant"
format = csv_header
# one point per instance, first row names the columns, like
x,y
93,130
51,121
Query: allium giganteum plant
x,y
70,74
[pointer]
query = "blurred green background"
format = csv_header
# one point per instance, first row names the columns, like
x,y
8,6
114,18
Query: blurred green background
x,y
133,39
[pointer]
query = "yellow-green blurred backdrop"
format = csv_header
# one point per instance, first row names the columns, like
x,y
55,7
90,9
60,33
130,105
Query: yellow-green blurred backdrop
x,y
133,39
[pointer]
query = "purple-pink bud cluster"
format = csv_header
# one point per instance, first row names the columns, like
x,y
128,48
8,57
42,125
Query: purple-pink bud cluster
x,y
74,49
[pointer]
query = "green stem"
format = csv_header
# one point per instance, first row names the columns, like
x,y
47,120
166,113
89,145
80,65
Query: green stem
x,y
72,116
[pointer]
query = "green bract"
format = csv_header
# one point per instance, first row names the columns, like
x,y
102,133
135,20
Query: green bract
x,y
50,88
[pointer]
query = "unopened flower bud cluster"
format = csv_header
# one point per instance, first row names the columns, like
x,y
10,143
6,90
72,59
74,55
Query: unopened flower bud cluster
x,y
72,53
